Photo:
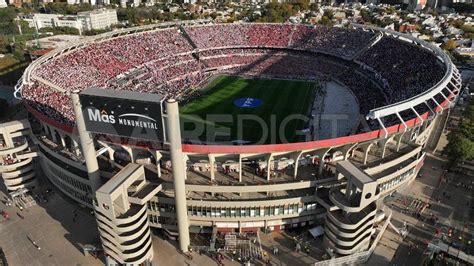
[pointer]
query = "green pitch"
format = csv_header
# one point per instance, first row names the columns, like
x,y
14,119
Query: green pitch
x,y
214,116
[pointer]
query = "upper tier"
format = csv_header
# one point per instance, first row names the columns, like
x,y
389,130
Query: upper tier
x,y
177,58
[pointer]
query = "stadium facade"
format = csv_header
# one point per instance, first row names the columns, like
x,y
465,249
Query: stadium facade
x,y
187,187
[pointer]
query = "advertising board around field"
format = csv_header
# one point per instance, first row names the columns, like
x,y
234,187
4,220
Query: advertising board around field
x,y
123,113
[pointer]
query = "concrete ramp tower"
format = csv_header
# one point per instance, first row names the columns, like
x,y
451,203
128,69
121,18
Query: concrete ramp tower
x,y
122,217
16,156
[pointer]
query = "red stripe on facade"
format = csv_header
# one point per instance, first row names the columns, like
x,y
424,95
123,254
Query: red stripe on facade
x,y
48,120
266,148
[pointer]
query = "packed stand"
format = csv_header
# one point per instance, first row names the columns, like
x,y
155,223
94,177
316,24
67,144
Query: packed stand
x,y
282,64
53,104
360,85
97,63
336,41
163,61
409,70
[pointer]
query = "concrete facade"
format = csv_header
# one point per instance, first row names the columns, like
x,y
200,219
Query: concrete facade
x,y
237,188
84,21
16,156
121,214
227,203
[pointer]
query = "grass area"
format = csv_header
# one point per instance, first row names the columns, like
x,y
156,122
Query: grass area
x,y
11,70
280,99
7,62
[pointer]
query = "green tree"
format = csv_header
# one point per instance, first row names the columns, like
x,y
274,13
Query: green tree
x,y
325,21
464,8
55,7
182,16
8,14
329,14
60,30
314,7
303,4
95,32
461,140
449,45
460,149
74,9
196,16
276,12
366,16
66,9
457,23
25,28
19,55
8,25
132,15
4,44
122,14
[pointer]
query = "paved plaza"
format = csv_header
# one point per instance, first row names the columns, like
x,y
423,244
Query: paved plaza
x,y
50,225
60,238
165,252
450,203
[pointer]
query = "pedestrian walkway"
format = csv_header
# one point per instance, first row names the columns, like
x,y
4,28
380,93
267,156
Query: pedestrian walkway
x,y
44,234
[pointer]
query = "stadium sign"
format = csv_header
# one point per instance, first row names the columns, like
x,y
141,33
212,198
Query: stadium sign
x,y
102,116
123,113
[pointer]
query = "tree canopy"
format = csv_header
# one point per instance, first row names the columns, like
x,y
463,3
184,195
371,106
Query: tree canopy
x,y
449,45
8,25
60,30
278,12
461,140
465,8
66,9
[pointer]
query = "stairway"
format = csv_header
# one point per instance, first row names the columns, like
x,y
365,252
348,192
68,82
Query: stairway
x,y
187,37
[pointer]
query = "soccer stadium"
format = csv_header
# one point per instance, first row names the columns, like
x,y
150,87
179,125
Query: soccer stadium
x,y
266,127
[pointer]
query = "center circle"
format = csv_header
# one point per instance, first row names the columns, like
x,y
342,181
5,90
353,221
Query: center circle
x,y
248,102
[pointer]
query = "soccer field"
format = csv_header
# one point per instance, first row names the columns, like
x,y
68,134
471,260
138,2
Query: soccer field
x,y
224,111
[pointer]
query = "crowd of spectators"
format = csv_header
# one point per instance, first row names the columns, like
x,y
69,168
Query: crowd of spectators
x,y
337,41
164,61
290,65
53,104
360,85
408,70
97,63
